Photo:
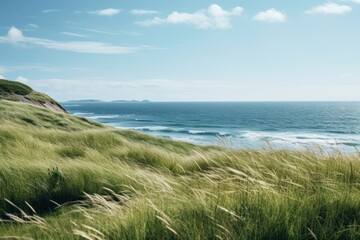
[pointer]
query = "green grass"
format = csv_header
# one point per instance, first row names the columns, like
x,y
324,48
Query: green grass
x,y
10,88
40,97
64,177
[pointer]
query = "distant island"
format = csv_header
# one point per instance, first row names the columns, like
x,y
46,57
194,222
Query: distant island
x,y
101,101
133,101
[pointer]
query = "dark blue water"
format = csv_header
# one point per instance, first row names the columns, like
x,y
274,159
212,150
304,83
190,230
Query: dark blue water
x,y
242,124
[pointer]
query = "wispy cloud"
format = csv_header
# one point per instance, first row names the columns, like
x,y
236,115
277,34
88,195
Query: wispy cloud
x,y
97,31
2,69
50,10
33,25
100,31
25,69
16,37
196,90
140,12
212,17
106,12
22,79
2,77
329,8
39,67
114,88
73,34
272,16
352,1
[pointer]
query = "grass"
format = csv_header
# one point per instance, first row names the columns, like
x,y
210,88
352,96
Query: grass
x,y
40,97
64,177
10,88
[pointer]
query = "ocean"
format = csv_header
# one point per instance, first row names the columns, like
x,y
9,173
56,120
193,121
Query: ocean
x,y
285,125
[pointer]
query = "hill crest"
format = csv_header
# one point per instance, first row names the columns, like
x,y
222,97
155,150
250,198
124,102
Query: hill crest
x,y
19,92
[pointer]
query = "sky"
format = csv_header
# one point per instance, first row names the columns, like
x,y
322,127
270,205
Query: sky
x,y
161,50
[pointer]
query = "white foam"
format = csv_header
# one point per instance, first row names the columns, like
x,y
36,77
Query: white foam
x,y
196,132
151,128
299,138
104,117
82,114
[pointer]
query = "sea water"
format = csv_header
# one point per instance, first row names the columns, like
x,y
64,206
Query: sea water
x,y
286,125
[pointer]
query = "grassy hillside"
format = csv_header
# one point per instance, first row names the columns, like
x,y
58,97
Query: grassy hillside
x,y
10,87
65,177
16,91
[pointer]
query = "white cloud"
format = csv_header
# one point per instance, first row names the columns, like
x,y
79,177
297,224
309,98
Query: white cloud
x,y
151,22
73,34
212,17
140,12
106,12
2,77
96,31
50,10
352,1
195,90
67,89
329,8
22,79
271,15
6,69
15,36
33,25
2,69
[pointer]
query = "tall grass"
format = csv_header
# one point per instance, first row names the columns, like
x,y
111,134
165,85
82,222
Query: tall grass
x,y
9,90
63,177
11,87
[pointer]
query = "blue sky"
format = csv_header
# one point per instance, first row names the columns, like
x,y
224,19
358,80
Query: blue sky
x,y
183,50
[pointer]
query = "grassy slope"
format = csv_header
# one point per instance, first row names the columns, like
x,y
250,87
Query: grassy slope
x,y
8,88
114,184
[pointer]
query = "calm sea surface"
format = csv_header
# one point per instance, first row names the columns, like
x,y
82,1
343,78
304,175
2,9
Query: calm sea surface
x,y
241,124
